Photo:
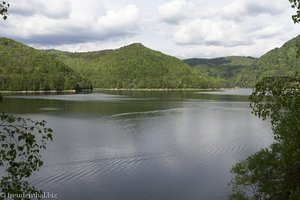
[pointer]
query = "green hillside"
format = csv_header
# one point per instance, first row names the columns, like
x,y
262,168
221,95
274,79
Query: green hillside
x,y
224,67
135,66
277,62
25,68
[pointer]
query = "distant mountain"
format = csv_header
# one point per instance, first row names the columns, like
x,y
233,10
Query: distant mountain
x,y
229,60
25,68
134,66
277,62
223,67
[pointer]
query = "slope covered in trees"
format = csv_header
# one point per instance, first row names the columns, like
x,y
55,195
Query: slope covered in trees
x,y
135,66
25,68
277,62
223,67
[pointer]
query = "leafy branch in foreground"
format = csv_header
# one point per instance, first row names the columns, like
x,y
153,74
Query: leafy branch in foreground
x,y
273,173
4,9
21,142
296,19
296,5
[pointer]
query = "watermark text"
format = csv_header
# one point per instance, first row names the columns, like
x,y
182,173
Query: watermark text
x,y
37,195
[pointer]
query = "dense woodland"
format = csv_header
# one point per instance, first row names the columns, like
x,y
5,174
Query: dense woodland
x,y
25,68
247,71
225,67
135,66
273,173
277,62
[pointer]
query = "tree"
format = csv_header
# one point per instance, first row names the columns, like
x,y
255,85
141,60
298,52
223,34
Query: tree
x,y
258,176
296,18
273,173
296,5
21,141
4,9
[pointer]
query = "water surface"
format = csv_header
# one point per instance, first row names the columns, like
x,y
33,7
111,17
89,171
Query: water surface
x,y
142,145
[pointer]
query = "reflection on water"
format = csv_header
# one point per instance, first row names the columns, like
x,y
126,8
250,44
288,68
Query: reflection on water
x,y
237,91
143,145
73,97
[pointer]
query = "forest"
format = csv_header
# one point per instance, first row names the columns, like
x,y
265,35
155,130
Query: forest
x,y
27,69
135,66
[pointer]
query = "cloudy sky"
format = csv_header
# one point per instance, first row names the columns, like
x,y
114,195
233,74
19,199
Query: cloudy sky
x,y
182,28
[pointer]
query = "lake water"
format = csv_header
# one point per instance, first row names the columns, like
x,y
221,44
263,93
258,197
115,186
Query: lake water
x,y
138,145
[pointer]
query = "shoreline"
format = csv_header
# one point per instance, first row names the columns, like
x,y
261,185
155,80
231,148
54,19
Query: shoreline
x,y
110,89
39,91
160,89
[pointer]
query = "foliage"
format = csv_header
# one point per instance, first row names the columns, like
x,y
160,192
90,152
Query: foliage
x,y
222,61
258,176
4,9
296,5
224,68
24,68
135,66
273,173
132,66
277,62
296,19
21,141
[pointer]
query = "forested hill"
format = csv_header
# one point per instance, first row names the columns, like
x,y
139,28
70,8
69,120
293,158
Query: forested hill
x,y
223,67
277,62
135,66
25,68
221,61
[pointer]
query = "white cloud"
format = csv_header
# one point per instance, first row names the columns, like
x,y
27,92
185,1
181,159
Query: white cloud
x,y
58,9
240,10
239,24
175,11
216,32
199,32
78,22
183,28
118,21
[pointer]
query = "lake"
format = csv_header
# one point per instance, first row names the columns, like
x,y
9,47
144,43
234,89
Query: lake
x,y
140,145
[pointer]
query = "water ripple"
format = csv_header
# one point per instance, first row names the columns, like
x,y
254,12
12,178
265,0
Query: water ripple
x,y
85,170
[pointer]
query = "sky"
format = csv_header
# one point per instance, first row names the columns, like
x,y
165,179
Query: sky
x,y
181,28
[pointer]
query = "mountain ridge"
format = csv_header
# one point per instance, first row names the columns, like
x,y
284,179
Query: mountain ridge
x,y
25,68
222,67
136,66
280,61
